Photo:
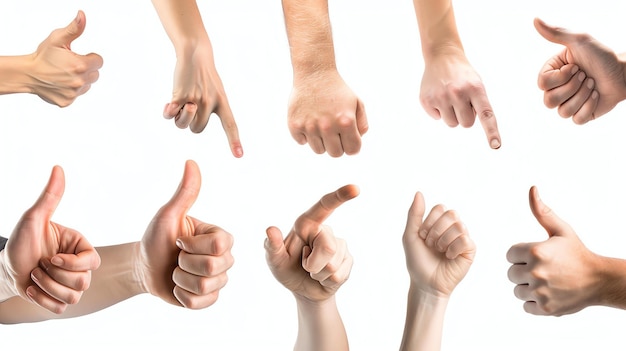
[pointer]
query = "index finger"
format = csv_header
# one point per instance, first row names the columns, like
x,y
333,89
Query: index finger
x,y
329,202
487,119
225,114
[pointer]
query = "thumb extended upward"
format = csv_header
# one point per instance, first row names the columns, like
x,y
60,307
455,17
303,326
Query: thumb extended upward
x,y
64,36
416,214
187,191
556,35
554,225
51,196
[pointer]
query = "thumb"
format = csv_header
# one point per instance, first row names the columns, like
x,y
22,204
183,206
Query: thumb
x,y
187,191
554,225
49,199
274,242
554,34
72,31
361,118
416,214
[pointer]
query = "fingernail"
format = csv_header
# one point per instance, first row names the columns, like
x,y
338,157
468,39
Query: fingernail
x,y
590,83
180,245
238,151
78,19
29,293
57,261
582,76
494,143
574,69
594,95
422,234
36,275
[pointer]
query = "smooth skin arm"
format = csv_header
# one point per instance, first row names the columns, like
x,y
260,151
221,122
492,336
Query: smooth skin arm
x,y
180,259
451,89
560,275
586,80
198,90
53,72
323,111
313,264
439,253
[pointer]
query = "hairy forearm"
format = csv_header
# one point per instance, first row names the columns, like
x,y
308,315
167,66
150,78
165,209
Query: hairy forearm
x,y
14,76
320,326
424,321
310,36
182,22
437,27
116,280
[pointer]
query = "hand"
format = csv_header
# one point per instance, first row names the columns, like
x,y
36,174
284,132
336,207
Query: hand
x,y
48,263
452,90
311,262
439,251
557,276
586,80
60,75
325,113
183,260
198,93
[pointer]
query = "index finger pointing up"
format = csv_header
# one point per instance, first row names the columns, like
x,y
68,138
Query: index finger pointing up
x,y
329,202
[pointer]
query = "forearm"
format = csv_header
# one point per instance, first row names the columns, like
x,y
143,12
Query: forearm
x,y
116,280
320,326
437,27
14,77
182,22
612,292
310,36
424,321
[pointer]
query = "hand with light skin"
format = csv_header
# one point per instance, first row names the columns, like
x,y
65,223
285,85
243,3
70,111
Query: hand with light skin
x,y
198,90
323,111
439,253
451,90
45,262
182,259
560,275
312,263
53,72
586,80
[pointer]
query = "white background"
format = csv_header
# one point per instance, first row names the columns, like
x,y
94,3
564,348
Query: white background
x,y
122,161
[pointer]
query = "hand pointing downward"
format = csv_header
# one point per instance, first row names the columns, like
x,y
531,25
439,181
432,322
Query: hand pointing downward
x,y
556,276
184,260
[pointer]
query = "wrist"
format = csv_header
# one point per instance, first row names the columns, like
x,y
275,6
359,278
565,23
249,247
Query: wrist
x,y
8,285
14,74
611,287
452,51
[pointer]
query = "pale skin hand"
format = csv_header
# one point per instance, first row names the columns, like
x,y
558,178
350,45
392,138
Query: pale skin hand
x,y
53,72
438,249
557,276
439,253
451,89
45,262
182,260
323,111
198,90
586,80
312,263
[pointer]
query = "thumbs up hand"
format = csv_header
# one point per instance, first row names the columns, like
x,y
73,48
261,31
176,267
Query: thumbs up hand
x,y
58,75
183,260
439,251
45,262
557,276
311,262
586,80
